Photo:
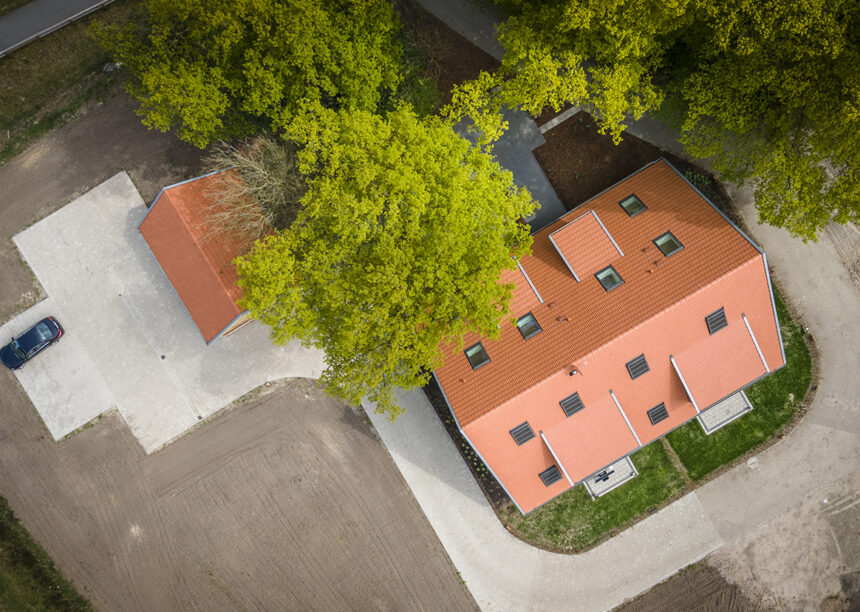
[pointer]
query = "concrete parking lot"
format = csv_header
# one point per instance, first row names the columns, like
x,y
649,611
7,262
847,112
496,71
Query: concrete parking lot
x,y
129,341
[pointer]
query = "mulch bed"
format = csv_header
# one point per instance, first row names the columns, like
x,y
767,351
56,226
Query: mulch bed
x,y
580,163
451,59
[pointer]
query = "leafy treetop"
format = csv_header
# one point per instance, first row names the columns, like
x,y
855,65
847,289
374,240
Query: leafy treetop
x,y
398,247
771,90
227,68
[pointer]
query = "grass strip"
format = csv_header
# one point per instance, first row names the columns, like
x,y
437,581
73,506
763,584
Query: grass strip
x,y
572,522
775,400
28,578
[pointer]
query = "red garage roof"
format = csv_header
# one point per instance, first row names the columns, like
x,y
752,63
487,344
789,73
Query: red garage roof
x,y
200,268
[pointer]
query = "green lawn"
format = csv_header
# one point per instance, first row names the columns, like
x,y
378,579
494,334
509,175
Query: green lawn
x,y
573,522
43,84
28,578
775,401
7,6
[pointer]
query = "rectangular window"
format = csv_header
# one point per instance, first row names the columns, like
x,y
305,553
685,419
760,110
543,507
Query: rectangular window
x,y
668,244
550,476
716,321
571,404
522,433
528,326
477,355
658,413
609,278
632,205
637,367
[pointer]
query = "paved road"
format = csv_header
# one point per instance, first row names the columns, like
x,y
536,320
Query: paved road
x,y
40,17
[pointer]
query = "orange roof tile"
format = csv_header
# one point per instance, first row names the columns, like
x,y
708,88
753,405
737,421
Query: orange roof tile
x,y
585,245
199,267
578,318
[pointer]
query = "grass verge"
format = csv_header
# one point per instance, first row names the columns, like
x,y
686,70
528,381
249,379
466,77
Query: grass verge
x,y
45,83
28,578
775,400
573,522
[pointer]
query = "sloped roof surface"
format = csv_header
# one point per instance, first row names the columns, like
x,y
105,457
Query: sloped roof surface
x,y
198,265
578,318
585,245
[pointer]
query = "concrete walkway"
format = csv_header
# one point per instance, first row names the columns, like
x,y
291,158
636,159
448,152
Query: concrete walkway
x,y
39,18
129,341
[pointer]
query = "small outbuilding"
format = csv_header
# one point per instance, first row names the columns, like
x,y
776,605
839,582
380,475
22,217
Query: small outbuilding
x,y
198,264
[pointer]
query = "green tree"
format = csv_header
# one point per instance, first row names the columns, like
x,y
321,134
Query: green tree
x,y
226,68
398,247
770,90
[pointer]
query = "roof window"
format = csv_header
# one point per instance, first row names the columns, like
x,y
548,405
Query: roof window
x,y
658,413
550,475
716,321
632,205
668,244
522,433
528,326
477,355
637,367
609,278
571,404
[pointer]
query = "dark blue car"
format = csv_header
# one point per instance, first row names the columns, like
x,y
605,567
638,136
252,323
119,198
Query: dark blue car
x,y
26,346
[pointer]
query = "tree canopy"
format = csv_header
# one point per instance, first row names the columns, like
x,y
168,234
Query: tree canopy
x,y
398,247
226,68
771,90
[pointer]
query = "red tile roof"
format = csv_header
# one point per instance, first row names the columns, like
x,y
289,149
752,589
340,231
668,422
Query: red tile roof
x,y
578,318
659,312
198,266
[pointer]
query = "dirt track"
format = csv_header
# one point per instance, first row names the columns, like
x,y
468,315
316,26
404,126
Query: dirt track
x,y
285,502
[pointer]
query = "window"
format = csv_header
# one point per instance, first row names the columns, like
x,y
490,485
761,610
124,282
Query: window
x,y
637,367
716,321
528,326
522,433
477,355
609,278
632,205
550,475
571,404
658,413
668,244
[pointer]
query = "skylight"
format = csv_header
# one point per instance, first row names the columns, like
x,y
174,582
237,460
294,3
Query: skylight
x,y
632,205
609,278
572,404
477,355
716,321
528,326
658,413
550,476
668,244
522,433
637,367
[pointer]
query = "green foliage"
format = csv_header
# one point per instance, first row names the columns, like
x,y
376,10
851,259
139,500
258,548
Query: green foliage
x,y
398,247
775,401
772,93
222,69
28,578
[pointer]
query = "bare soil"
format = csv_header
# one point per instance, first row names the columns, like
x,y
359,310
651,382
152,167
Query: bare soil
x,y
699,587
287,501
